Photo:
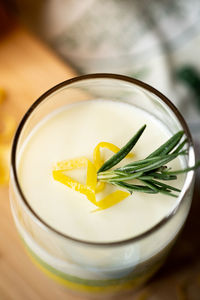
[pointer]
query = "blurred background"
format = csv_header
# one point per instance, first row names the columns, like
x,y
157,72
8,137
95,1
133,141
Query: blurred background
x,y
43,42
155,41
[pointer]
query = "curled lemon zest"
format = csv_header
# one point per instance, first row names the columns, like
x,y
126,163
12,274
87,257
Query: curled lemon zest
x,y
99,187
91,181
75,185
111,199
98,161
104,203
9,125
7,128
92,186
67,165
4,163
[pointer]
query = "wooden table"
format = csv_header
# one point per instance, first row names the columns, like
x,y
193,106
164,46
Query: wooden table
x,y
27,69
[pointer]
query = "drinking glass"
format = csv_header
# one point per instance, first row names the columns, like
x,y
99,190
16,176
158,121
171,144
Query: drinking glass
x,y
97,268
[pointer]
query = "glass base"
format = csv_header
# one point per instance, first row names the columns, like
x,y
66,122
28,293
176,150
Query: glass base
x,y
94,288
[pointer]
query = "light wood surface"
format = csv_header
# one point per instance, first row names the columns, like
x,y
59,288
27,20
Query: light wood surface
x,y
27,69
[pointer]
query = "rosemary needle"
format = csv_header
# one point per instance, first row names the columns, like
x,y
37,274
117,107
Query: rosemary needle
x,y
116,158
149,170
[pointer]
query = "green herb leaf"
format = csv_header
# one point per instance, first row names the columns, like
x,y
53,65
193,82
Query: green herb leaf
x,y
134,187
168,146
162,176
165,186
180,146
184,170
149,170
156,163
116,158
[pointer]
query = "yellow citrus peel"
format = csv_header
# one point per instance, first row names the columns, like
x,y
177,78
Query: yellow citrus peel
x,y
98,161
2,95
4,163
7,127
7,131
89,188
111,199
92,186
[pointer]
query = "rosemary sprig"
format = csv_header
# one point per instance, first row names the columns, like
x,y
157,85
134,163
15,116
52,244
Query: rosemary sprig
x,y
116,158
149,170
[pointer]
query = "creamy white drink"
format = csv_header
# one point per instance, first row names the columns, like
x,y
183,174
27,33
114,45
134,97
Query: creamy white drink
x,y
86,249
74,131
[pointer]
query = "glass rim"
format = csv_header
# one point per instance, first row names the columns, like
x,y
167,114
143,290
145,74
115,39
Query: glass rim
x,y
187,182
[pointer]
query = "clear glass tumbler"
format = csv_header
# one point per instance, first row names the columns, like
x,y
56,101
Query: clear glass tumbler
x,y
99,269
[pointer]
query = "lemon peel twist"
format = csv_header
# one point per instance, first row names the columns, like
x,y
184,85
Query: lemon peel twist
x,y
8,125
92,186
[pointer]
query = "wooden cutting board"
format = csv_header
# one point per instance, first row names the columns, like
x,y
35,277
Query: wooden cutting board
x,y
27,69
